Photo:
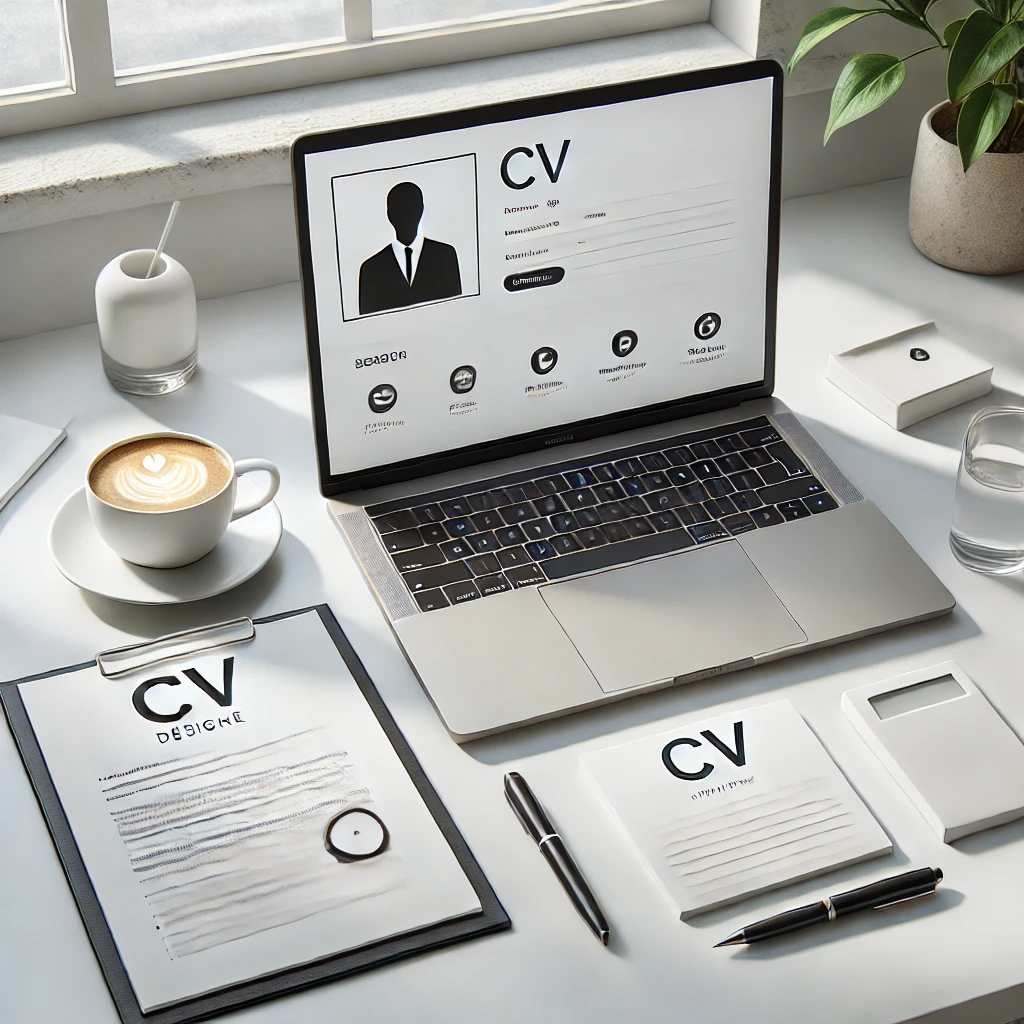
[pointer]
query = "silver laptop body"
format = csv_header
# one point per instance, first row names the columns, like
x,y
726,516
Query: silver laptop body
x,y
534,574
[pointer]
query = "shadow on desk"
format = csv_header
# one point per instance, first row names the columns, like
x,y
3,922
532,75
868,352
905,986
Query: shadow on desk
x,y
948,428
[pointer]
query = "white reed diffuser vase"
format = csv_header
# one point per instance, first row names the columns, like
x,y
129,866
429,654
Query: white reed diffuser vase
x,y
147,324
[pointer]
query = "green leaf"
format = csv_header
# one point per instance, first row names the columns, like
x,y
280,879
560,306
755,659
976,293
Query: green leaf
x,y
983,46
867,81
952,30
982,118
821,26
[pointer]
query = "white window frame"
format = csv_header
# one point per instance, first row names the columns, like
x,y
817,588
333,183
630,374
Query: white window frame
x,y
95,93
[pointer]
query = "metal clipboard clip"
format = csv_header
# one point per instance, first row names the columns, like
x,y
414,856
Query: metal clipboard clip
x,y
121,660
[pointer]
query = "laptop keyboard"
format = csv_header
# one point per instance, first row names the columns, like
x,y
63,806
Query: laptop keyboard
x,y
521,530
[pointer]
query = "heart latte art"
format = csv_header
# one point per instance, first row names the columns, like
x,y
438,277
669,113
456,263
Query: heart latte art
x,y
159,474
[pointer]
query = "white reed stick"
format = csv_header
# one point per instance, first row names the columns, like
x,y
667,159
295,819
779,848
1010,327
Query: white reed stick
x,y
163,238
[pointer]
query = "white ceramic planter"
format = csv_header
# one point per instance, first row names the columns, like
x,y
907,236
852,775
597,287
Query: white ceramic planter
x,y
147,325
972,221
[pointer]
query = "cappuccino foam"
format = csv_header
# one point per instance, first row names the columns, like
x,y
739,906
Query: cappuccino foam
x,y
159,474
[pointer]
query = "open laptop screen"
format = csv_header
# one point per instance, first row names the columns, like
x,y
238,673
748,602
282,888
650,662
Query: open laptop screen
x,y
508,276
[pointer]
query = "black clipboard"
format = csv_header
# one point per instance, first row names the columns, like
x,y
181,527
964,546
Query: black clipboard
x,y
493,917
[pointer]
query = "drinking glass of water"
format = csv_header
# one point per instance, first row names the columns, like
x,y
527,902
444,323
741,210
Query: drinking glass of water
x,y
988,510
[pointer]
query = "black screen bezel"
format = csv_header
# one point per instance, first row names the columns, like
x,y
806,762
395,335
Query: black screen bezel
x,y
333,484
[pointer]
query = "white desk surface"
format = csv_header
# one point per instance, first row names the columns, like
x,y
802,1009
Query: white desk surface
x,y
849,273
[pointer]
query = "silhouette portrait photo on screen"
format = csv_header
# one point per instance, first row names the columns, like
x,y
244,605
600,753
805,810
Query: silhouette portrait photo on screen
x,y
411,269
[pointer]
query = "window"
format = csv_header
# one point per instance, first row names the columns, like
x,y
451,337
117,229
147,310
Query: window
x,y
67,61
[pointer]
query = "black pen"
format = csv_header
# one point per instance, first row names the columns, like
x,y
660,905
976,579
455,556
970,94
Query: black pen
x,y
875,896
530,813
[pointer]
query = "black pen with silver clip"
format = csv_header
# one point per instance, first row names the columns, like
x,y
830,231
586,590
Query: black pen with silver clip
x,y
898,889
532,817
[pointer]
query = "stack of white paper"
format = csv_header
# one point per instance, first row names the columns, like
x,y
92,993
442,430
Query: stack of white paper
x,y
722,809
24,447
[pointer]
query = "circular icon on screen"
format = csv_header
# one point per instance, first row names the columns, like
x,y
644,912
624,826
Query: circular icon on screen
x,y
382,398
707,326
543,360
919,355
357,834
462,379
623,343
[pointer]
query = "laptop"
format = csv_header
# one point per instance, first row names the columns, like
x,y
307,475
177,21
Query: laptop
x,y
541,345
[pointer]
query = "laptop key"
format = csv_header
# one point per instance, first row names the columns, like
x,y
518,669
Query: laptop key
x,y
459,528
549,504
757,457
531,490
732,443
511,557
630,467
402,520
664,521
766,517
707,532
635,506
481,502
691,515
615,532
527,575
456,507
580,477
483,565
692,493
509,535
564,522
459,593
746,500
481,543
705,450
592,538
638,527
730,463
741,523
719,486
552,485
401,541
661,500
719,507
655,461
633,485
564,543
485,520
795,509
518,513
434,533
820,503
760,436
616,554
655,481
705,470
612,512
606,471
437,576
679,475
781,452
488,585
680,456
580,498
430,600
428,514
609,492
788,490
537,529
773,473
588,517
453,550
538,550
418,558
746,480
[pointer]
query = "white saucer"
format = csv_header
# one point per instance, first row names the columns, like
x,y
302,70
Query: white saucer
x,y
86,561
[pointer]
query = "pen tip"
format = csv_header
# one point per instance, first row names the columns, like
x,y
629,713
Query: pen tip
x,y
733,940
604,935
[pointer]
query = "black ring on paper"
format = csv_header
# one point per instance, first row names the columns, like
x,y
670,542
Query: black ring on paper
x,y
347,858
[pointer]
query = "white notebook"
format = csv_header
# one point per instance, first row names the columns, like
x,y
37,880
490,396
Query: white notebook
x,y
728,807
24,447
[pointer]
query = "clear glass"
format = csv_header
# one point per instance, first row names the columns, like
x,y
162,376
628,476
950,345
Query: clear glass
x,y
31,48
391,16
147,33
988,509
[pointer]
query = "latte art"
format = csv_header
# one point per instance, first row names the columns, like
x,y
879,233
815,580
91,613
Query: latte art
x,y
159,474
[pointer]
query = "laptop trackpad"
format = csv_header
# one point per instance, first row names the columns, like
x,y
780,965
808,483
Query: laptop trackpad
x,y
671,617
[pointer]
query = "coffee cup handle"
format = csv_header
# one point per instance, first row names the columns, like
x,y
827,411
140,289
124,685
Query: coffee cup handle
x,y
243,508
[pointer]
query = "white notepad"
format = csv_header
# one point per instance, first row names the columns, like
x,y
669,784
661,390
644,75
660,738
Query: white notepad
x,y
728,807
24,447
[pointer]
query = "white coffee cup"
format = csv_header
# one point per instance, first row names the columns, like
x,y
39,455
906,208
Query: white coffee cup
x,y
166,538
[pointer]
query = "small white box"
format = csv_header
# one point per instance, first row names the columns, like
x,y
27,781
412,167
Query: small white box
x,y
947,747
907,377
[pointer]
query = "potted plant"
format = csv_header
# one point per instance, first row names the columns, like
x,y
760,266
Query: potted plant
x,y
967,188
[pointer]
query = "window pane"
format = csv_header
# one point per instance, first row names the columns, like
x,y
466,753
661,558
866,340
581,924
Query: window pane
x,y
31,54
148,32
389,15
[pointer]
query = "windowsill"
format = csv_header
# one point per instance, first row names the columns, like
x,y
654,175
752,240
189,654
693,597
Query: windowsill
x,y
133,161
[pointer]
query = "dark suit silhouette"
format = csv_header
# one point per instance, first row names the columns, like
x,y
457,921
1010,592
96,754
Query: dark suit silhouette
x,y
382,281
